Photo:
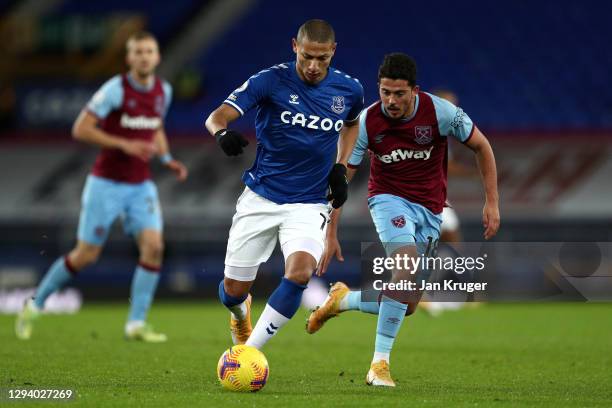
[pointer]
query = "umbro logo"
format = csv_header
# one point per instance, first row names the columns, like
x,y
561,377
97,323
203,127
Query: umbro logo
x,y
378,138
393,320
293,98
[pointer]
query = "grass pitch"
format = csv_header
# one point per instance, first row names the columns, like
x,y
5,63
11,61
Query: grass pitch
x,y
495,355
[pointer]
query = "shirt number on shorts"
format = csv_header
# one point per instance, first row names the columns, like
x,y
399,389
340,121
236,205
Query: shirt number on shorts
x,y
325,221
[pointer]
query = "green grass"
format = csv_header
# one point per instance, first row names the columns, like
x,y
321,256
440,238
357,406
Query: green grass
x,y
496,355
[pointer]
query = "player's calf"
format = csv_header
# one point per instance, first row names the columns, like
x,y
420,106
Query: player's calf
x,y
281,306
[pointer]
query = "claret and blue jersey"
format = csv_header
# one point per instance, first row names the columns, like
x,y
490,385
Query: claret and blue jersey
x,y
409,156
407,185
297,127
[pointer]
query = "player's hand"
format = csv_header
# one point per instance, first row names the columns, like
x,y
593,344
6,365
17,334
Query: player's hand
x,y
332,247
139,148
490,220
179,169
338,185
231,141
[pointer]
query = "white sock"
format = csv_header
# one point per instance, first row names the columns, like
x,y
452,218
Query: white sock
x,y
239,311
380,356
267,326
133,325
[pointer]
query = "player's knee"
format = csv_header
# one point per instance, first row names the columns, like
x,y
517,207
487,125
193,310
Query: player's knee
x,y
299,267
301,276
235,288
152,250
82,257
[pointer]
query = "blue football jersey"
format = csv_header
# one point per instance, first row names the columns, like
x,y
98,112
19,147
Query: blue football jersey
x,y
297,127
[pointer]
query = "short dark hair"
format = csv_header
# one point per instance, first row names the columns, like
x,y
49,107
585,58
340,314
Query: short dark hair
x,y
318,31
138,36
398,65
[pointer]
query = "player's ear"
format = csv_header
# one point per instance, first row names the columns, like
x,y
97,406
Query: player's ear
x,y
294,45
416,89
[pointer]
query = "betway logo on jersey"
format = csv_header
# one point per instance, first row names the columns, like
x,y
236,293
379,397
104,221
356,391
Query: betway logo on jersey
x,y
310,121
140,122
398,155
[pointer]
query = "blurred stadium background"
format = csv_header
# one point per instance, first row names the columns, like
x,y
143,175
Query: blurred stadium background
x,y
534,76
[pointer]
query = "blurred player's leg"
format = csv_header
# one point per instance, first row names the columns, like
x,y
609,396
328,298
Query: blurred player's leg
x,y
142,291
144,283
58,275
143,220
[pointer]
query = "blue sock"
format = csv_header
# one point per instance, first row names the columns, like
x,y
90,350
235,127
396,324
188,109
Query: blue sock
x,y
55,278
142,291
286,298
354,303
390,317
228,300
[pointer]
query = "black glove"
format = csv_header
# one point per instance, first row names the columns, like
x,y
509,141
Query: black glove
x,y
231,141
338,185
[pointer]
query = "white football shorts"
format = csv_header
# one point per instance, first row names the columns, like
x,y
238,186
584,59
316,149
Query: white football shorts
x,y
450,220
259,223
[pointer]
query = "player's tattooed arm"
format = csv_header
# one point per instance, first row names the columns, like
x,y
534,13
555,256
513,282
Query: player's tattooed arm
x,y
332,244
163,151
85,129
488,173
231,141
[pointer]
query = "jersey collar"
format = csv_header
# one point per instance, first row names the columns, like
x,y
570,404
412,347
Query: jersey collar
x,y
138,86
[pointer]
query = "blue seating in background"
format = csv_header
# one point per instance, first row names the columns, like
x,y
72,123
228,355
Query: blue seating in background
x,y
515,65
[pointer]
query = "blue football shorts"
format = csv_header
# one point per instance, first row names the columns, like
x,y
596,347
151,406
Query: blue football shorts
x,y
400,222
105,200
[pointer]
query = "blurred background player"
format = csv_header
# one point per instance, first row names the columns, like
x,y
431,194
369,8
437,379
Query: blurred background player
x,y
124,118
306,111
406,133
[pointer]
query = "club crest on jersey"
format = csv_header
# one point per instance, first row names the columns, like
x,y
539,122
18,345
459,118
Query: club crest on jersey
x,y
338,104
293,98
423,134
399,221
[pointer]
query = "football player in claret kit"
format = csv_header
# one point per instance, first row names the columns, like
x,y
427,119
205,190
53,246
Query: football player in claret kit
x,y
306,127
406,134
124,118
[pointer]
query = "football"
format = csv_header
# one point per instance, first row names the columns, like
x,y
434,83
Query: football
x,y
243,368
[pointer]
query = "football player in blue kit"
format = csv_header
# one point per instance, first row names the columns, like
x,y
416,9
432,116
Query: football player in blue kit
x,y
306,127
